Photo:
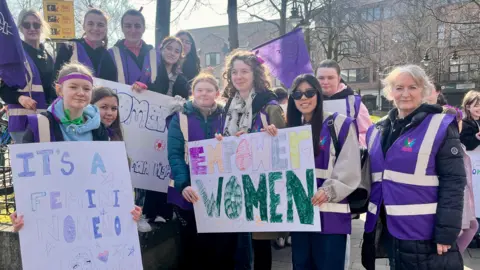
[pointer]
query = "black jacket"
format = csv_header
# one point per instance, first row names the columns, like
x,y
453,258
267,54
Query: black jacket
x,y
99,134
467,136
452,179
99,57
181,86
44,63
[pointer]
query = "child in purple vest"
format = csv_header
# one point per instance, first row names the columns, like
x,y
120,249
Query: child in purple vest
x,y
417,178
338,175
91,49
39,93
251,107
201,118
70,118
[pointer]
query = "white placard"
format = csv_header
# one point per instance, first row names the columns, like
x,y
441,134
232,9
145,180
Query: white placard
x,y
337,105
144,127
76,199
255,183
475,158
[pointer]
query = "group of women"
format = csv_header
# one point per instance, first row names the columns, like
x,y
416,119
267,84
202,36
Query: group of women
x,y
414,172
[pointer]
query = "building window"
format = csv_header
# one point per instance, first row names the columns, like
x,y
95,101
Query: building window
x,y
212,59
441,35
356,75
371,14
348,47
466,70
364,46
461,32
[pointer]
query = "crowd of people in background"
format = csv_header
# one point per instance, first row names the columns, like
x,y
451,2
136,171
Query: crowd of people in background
x,y
410,179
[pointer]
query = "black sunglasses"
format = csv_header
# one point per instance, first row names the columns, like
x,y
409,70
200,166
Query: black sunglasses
x,y
297,95
28,25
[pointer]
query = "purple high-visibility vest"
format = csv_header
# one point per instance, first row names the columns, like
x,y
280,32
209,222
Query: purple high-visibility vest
x,y
128,71
80,55
191,124
335,217
17,114
405,179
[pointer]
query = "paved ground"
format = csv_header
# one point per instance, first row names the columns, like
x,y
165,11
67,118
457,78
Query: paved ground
x,y
282,258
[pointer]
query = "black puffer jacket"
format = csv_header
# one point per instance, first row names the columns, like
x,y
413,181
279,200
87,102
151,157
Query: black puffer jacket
x,y
468,135
422,254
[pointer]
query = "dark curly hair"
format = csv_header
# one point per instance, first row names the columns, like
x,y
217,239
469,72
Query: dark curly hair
x,y
261,74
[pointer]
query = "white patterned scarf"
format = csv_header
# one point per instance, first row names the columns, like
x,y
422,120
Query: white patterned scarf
x,y
239,114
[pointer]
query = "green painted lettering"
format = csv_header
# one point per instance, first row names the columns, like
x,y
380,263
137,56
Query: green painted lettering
x,y
211,204
295,192
274,197
255,197
233,198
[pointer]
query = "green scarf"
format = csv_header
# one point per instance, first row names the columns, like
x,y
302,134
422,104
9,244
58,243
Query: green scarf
x,y
67,121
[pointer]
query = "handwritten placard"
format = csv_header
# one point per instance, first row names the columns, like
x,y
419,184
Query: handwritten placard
x,y
255,183
76,199
143,117
333,106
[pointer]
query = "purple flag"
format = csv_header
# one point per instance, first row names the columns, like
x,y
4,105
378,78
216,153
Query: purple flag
x,y
12,61
286,56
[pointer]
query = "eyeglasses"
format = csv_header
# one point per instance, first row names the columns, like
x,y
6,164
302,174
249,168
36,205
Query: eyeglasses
x,y
27,25
297,95
186,41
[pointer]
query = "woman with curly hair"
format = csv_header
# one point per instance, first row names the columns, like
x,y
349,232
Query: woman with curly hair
x,y
251,107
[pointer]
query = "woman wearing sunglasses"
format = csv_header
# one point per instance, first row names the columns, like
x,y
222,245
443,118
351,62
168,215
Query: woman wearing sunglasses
x,y
337,163
39,92
91,49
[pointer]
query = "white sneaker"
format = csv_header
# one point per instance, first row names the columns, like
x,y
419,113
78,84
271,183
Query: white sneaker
x,y
289,240
143,226
281,242
160,219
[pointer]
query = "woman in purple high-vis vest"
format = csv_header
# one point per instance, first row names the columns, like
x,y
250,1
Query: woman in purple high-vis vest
x,y
417,177
91,49
337,168
39,93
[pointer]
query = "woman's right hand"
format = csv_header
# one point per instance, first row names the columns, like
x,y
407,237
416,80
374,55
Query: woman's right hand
x,y
190,195
139,87
17,221
219,137
27,102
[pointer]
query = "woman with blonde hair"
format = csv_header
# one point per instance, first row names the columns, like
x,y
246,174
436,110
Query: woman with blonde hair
x,y
417,179
470,135
39,92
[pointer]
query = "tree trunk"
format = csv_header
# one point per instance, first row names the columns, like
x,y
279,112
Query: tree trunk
x,y
232,24
283,18
162,26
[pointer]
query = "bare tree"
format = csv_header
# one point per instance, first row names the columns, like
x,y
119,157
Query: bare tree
x,y
264,10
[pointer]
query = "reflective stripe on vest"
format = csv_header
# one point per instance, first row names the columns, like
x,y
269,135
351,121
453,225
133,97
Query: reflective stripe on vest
x,y
372,208
32,88
118,60
183,119
17,112
153,65
419,178
376,176
341,208
325,174
121,75
74,57
351,104
43,128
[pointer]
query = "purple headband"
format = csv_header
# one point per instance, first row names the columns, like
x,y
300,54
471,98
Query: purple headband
x,y
75,76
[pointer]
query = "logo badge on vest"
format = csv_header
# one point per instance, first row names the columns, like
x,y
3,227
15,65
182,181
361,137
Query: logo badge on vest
x,y
408,144
323,140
